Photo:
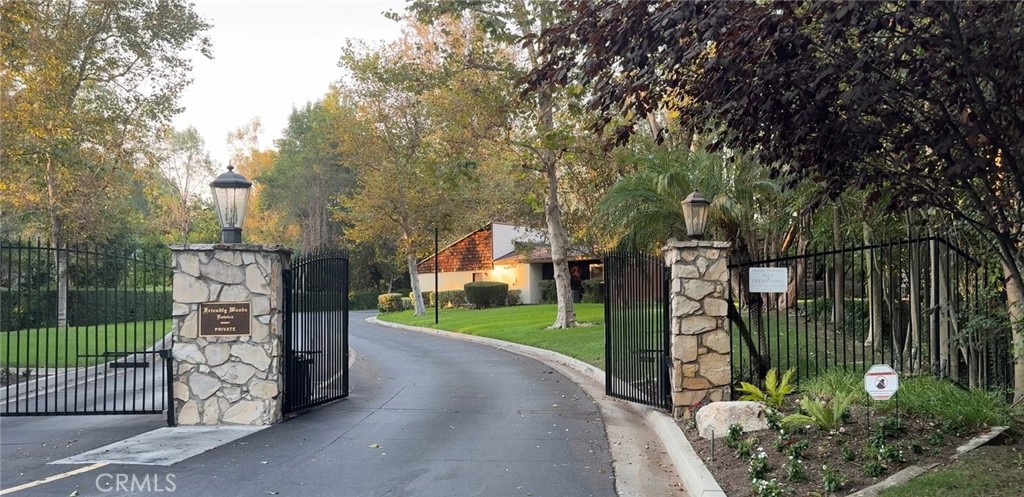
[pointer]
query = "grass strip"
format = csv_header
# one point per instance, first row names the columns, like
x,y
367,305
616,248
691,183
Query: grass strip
x,y
524,324
77,346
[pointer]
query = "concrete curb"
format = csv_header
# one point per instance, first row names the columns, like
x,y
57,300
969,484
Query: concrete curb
x,y
901,477
690,469
980,440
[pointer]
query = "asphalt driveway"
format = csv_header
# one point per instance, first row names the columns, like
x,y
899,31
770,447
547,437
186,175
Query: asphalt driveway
x,y
427,416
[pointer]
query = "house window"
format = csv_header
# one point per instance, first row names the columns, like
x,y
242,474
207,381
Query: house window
x,y
597,272
479,276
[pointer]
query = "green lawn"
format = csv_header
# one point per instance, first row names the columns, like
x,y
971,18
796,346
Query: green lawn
x,y
76,346
810,347
987,471
523,324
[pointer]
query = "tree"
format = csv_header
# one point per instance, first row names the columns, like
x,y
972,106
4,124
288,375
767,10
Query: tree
x,y
922,100
82,83
418,161
187,168
512,26
263,224
311,171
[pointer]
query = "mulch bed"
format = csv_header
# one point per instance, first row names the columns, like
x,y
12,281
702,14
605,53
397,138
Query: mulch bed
x,y
731,472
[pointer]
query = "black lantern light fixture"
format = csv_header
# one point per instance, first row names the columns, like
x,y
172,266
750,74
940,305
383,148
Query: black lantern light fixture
x,y
695,213
230,198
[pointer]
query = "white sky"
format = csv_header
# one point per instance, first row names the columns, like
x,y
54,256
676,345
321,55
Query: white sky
x,y
271,56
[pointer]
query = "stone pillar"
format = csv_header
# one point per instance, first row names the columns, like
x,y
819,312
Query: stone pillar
x,y
228,379
701,351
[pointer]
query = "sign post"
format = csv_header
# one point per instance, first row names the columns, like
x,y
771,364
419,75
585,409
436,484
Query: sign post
x,y
768,279
881,383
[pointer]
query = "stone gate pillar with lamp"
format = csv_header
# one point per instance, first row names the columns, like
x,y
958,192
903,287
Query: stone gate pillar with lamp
x,y
698,322
228,310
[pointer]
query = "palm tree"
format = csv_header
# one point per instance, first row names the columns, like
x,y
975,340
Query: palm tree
x,y
748,209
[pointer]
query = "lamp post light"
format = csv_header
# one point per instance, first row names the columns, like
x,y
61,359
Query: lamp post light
x,y
695,213
230,198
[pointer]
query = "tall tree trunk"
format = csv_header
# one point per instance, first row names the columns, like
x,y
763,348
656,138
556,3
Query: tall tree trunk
x,y
414,277
947,362
915,301
57,241
788,300
874,275
839,272
1015,306
566,317
933,305
760,356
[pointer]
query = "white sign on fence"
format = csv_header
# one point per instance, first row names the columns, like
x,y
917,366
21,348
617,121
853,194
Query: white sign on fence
x,y
769,279
881,382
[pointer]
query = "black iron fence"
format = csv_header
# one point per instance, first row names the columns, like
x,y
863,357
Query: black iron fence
x,y
920,305
82,330
316,331
636,311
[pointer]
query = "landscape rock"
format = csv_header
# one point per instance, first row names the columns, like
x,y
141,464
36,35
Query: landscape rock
x,y
718,416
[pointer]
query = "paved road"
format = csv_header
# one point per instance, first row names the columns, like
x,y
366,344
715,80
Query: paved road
x,y
427,416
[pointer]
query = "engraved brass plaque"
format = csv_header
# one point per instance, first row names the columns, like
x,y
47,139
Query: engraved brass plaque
x,y
219,319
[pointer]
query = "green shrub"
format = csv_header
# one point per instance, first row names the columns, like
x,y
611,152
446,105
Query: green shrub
x,y
515,297
362,301
956,408
874,469
820,414
389,302
548,292
450,298
319,301
593,291
427,298
831,479
38,308
834,381
775,390
485,294
407,303
733,439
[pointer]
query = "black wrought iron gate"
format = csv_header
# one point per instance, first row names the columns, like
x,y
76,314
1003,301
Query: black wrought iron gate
x,y
637,358
315,331
83,330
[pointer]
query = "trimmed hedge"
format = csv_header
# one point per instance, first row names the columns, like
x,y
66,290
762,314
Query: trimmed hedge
x,y
593,291
317,301
38,308
450,298
407,303
428,298
515,297
389,302
548,292
362,301
485,294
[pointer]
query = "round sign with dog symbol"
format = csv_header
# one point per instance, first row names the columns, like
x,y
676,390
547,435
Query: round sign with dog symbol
x,y
881,382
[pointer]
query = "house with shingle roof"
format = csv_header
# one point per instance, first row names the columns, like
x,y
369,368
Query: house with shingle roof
x,y
516,255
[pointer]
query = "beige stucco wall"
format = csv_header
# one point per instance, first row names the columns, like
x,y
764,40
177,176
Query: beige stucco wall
x,y
523,277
